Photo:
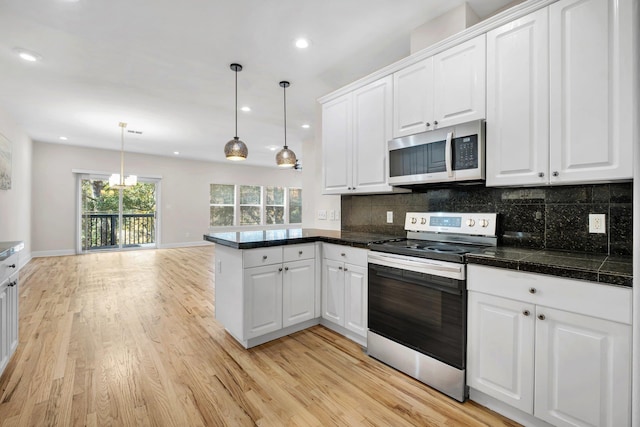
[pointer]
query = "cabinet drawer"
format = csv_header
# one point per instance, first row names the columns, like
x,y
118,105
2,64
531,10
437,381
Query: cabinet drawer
x,y
579,296
8,266
296,252
261,256
348,254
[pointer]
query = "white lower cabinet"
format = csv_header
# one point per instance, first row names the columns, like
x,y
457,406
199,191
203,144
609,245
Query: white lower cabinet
x,y
344,290
534,345
8,310
265,293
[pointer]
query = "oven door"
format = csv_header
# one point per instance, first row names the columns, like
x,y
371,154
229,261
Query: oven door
x,y
422,311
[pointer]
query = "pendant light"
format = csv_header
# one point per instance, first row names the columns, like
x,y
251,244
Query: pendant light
x,y
235,149
285,157
118,181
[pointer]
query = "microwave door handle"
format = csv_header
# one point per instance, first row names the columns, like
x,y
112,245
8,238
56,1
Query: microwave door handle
x,y
447,155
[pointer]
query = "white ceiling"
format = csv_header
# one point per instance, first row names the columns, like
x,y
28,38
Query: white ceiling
x,y
162,66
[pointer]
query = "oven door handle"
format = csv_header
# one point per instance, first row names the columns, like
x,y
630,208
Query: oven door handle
x,y
423,264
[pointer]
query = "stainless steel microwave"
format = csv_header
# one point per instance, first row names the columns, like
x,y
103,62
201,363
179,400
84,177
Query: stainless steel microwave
x,y
450,154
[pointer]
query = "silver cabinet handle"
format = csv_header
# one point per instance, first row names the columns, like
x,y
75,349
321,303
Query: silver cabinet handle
x,y
280,269
532,290
555,173
339,268
12,266
264,257
343,254
526,312
435,123
541,174
346,269
12,284
428,124
299,252
286,269
541,316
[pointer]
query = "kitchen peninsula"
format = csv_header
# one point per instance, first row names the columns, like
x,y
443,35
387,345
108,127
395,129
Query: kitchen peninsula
x,y
271,283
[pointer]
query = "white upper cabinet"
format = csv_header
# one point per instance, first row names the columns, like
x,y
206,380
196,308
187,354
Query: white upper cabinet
x,y
591,97
558,99
459,83
336,144
413,99
443,90
355,131
518,102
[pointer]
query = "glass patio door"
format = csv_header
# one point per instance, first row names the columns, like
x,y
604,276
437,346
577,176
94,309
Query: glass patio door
x,y
114,219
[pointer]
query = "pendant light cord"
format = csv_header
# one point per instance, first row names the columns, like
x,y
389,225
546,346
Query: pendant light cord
x,y
284,91
236,70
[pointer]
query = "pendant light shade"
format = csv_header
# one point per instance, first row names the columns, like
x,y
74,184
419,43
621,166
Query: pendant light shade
x,y
285,158
118,181
235,149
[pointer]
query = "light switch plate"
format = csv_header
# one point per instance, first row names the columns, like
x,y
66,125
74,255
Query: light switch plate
x,y
332,215
322,214
597,223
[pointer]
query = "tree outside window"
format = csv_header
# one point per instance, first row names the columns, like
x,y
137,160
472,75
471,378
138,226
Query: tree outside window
x,y
274,212
295,205
223,202
250,204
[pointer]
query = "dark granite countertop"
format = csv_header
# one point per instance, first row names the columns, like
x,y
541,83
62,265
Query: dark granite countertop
x,y
611,270
9,248
292,236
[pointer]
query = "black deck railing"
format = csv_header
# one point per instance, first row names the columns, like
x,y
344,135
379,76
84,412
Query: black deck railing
x,y
100,231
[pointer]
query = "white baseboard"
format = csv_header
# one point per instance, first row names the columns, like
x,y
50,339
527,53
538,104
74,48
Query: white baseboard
x,y
57,252
183,244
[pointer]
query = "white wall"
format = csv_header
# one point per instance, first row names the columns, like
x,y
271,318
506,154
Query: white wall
x,y
184,197
15,204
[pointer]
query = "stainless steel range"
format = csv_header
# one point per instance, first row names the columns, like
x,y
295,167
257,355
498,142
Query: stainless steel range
x,y
418,296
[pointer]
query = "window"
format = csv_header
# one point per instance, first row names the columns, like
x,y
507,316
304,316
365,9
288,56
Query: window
x,y
254,205
222,211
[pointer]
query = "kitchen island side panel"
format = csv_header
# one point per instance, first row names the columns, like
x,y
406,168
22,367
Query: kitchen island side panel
x,y
229,293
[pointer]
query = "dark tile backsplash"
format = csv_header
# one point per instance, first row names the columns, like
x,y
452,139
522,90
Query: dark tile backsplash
x,y
541,217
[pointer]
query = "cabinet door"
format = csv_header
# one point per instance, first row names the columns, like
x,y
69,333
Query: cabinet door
x,y
518,102
372,121
500,349
582,372
355,303
298,292
333,291
12,314
413,99
4,325
459,83
336,145
590,80
262,300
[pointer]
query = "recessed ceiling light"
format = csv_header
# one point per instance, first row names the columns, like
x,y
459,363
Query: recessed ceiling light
x,y
305,126
63,138
246,109
27,55
302,43
176,152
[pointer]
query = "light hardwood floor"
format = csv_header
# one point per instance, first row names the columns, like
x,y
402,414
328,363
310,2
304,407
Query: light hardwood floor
x,y
130,338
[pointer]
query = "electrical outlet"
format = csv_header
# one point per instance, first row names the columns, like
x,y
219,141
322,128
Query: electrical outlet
x,y
322,214
389,217
597,223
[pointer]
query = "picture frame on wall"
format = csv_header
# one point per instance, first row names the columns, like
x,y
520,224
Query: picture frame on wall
x,y
5,163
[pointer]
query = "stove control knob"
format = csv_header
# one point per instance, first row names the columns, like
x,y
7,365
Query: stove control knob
x,y
484,223
414,220
423,221
471,222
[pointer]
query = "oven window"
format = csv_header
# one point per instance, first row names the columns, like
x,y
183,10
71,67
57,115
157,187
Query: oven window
x,y
424,312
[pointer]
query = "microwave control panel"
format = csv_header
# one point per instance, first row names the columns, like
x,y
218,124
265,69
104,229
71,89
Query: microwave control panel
x,y
465,152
